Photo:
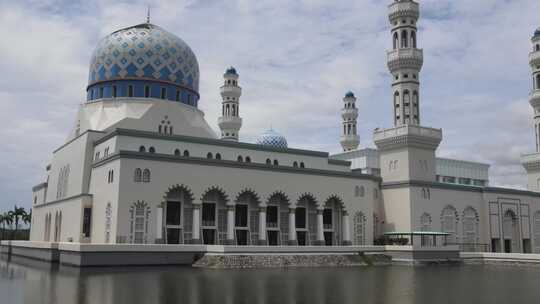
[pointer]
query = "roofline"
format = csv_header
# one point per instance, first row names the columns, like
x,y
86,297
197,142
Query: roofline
x,y
208,141
231,164
463,161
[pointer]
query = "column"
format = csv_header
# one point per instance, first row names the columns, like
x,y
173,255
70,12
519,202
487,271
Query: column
x,y
320,228
196,225
292,227
346,230
262,226
230,225
159,225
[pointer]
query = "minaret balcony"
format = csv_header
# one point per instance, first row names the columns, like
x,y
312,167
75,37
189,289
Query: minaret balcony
x,y
402,9
348,114
531,162
230,90
409,58
534,58
229,122
406,135
534,99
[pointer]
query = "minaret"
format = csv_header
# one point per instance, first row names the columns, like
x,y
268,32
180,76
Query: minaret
x,y
531,162
349,138
406,151
230,121
405,62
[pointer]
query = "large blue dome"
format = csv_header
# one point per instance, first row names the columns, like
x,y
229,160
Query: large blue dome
x,y
146,55
273,139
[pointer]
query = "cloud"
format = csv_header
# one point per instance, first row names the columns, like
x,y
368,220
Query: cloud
x,y
296,59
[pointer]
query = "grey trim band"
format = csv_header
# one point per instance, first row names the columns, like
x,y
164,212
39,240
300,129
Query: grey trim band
x,y
74,139
207,141
230,164
496,190
39,187
62,200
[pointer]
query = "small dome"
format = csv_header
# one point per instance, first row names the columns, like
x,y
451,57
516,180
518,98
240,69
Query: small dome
x,y
536,33
231,70
272,138
349,94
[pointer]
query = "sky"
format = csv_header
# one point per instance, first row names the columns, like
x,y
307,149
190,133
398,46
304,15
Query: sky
x,y
296,60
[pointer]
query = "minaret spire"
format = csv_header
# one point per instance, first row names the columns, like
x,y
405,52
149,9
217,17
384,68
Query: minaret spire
x,y
230,121
148,14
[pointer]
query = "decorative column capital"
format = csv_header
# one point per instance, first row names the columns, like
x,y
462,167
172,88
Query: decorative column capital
x,y
292,210
262,209
230,207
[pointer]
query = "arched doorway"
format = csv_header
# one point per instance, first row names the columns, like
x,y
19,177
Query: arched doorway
x,y
247,219
510,232
178,215
277,219
306,220
332,221
214,217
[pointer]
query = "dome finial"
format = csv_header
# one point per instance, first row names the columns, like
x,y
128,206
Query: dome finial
x,y
148,14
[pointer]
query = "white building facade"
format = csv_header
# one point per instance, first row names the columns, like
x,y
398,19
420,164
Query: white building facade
x,y
143,166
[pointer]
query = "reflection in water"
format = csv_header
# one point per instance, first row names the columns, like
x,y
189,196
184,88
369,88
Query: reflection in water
x,y
28,281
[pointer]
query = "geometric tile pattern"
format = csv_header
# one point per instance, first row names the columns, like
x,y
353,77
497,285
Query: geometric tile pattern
x,y
144,51
273,139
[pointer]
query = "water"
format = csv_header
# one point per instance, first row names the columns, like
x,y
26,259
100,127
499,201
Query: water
x,y
24,281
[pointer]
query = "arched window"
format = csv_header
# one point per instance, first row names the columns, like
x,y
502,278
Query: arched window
x,y
268,161
470,228
209,155
404,39
146,176
276,163
227,110
138,175
152,150
425,225
240,159
142,149
233,110
359,222
302,165
538,81
396,40
538,47
139,215
218,156
295,164
248,159
413,39
406,98
177,152
449,221
186,153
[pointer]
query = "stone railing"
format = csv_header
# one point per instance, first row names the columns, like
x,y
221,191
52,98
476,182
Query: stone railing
x,y
530,157
401,58
534,58
232,89
534,98
407,130
403,9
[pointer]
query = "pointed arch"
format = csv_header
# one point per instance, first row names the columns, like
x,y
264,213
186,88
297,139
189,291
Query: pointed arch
x,y
214,216
470,221
306,219
404,39
359,226
413,39
139,221
178,214
247,206
396,40
277,217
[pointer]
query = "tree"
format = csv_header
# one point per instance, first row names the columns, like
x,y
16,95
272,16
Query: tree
x,y
17,214
27,218
5,219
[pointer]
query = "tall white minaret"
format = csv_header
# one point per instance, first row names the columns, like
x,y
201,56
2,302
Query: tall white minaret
x,y
405,62
230,121
531,162
349,137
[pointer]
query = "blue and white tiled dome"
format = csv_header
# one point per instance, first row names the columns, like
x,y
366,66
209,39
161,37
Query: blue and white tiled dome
x,y
273,139
144,54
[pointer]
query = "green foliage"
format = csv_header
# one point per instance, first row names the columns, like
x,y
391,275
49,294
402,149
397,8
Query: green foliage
x,y
14,217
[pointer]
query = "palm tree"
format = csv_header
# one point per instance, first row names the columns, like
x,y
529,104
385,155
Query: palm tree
x,y
17,213
27,218
5,219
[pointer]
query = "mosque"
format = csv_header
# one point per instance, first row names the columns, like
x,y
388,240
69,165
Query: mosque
x,y
141,164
